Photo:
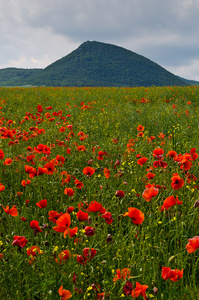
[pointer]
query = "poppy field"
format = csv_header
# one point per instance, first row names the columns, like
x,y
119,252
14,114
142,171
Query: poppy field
x,y
99,193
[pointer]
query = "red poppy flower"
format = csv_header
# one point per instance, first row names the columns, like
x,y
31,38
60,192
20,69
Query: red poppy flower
x,y
70,209
63,256
150,175
96,207
127,288
20,241
108,217
63,222
11,211
79,184
123,274
89,231
135,214
193,244
150,192
2,187
158,153
82,216
54,215
173,275
68,191
88,171
39,108
71,232
7,162
170,201
65,294
35,225
171,153
177,182
87,255
25,182
50,168
107,172
140,128
142,161
1,154
160,163
42,203
41,171
33,251
194,154
81,148
139,290
119,194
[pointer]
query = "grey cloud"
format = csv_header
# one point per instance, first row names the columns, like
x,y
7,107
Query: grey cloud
x,y
40,30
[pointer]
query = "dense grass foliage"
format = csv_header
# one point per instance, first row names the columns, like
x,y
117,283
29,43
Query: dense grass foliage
x,y
99,193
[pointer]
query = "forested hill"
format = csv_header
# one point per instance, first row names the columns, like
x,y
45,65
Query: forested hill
x,y
95,64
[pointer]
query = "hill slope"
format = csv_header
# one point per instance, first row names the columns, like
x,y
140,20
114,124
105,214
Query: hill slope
x,y
100,64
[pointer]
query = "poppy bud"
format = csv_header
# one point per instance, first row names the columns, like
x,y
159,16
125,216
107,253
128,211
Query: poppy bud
x,y
196,204
89,231
109,238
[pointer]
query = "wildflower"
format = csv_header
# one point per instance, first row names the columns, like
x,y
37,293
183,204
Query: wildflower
x,y
142,161
33,251
1,154
65,294
96,207
158,153
108,217
88,171
150,175
140,128
193,244
68,191
87,255
20,241
50,168
7,162
70,209
177,182
25,182
139,290
70,232
39,108
127,288
135,214
150,192
42,203
106,172
63,256
82,216
2,187
79,184
171,153
54,215
170,201
173,275
121,274
35,225
81,148
89,231
119,194
63,223
11,211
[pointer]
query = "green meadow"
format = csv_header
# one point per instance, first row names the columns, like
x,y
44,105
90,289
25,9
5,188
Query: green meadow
x,y
99,193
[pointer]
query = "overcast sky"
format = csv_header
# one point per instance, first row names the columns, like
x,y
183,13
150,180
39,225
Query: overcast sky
x,y
35,33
